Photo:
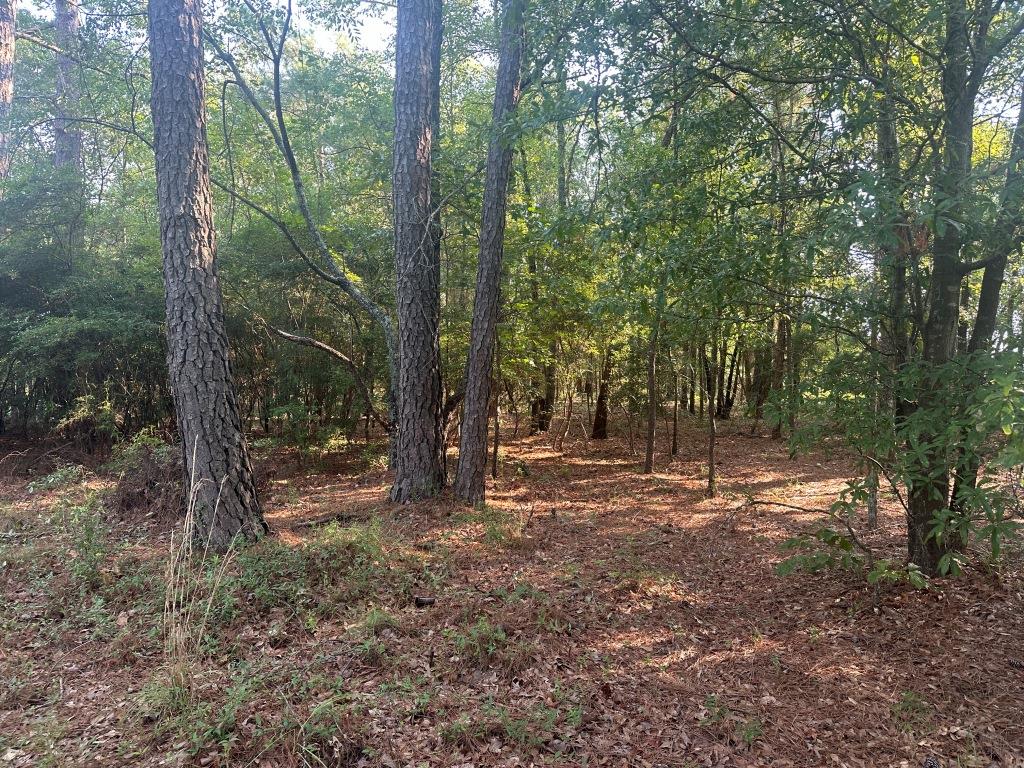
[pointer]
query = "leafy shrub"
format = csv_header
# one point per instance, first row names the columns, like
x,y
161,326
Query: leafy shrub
x,y
83,523
63,476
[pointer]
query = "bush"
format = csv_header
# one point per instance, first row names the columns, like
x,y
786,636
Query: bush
x,y
150,475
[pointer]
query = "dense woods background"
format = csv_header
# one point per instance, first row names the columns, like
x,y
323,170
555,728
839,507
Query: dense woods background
x,y
232,225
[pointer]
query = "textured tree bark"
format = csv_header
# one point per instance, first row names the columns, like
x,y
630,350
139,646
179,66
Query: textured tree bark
x,y
600,429
67,136
217,467
419,471
469,478
8,11
929,491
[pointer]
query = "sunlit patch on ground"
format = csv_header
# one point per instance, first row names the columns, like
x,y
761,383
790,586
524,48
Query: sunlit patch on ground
x,y
587,615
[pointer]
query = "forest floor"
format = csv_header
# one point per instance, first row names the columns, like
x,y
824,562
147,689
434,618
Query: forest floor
x,y
589,615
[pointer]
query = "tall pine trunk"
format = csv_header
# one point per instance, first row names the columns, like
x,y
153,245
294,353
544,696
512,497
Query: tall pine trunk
x,y
469,478
217,467
67,132
419,469
67,135
8,11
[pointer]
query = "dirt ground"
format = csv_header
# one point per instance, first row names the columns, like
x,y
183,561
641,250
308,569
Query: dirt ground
x,y
589,615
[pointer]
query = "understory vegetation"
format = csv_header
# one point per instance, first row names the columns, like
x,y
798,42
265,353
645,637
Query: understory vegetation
x,y
566,619
534,382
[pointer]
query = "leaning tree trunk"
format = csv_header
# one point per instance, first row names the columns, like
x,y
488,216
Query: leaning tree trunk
x,y
469,478
217,467
8,11
600,429
419,471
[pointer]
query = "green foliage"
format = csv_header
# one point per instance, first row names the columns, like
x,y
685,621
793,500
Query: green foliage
x,y
481,643
84,526
826,549
63,476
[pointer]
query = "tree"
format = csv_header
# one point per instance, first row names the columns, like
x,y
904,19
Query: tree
x,y
217,467
469,480
67,135
419,471
8,12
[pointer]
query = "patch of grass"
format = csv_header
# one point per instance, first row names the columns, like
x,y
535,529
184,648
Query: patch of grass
x,y
171,700
338,566
22,685
330,736
377,621
527,729
501,528
481,643
372,650
749,731
83,524
911,713
715,711
462,731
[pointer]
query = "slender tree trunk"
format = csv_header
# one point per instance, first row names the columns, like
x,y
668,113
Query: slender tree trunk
x,y
547,402
1004,239
652,379
711,377
469,478
778,376
496,395
599,431
693,386
8,12
675,413
419,472
652,397
536,383
217,466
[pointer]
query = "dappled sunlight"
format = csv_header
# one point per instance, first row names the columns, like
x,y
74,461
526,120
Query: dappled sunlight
x,y
619,607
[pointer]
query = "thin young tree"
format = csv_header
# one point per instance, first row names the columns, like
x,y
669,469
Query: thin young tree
x,y
419,468
469,479
216,460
